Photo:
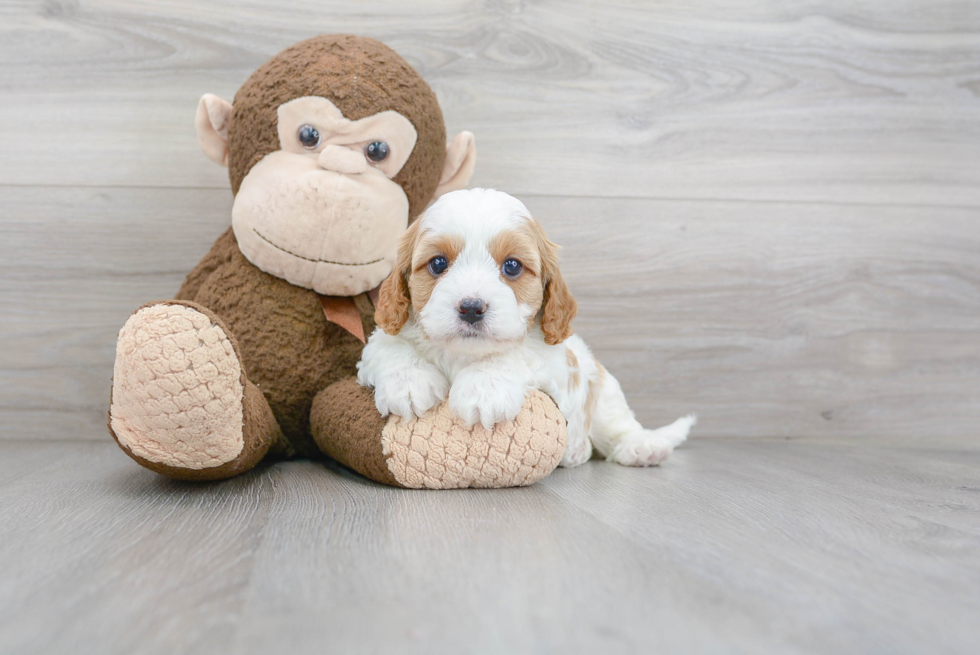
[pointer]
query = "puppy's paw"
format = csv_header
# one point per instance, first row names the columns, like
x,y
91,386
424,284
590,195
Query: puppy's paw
x,y
486,399
650,447
578,452
411,391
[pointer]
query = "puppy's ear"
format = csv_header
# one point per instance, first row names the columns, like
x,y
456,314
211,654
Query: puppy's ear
x,y
393,303
558,304
559,310
394,298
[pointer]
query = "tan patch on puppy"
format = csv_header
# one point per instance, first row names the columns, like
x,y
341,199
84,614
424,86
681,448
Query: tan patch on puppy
x,y
574,380
595,386
420,286
429,246
421,282
520,244
411,283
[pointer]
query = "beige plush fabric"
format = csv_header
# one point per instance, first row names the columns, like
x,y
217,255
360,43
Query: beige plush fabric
x,y
178,389
317,229
440,452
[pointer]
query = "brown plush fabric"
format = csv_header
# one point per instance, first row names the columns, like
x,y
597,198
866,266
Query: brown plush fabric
x,y
260,431
288,349
361,77
347,426
300,395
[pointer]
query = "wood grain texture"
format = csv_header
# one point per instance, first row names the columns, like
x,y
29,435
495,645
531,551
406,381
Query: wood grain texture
x,y
734,545
822,100
769,213
767,319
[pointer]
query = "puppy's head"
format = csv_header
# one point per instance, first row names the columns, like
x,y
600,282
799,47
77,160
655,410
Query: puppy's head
x,y
478,272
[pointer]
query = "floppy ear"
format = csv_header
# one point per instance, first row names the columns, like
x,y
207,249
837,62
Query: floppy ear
x,y
211,121
459,164
559,310
558,305
394,298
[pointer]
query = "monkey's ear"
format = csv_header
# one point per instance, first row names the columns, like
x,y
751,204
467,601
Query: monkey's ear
x,y
211,121
460,162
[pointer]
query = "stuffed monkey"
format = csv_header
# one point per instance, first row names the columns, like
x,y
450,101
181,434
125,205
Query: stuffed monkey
x,y
333,147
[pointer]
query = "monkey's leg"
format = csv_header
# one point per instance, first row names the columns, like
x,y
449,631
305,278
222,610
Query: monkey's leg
x,y
181,404
436,451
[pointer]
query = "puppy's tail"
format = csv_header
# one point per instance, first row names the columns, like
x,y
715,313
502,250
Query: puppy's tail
x,y
650,447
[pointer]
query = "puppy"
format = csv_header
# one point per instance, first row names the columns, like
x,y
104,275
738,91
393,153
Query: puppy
x,y
477,309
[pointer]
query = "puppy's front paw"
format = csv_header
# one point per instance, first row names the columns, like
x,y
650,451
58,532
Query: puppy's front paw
x,y
410,391
486,399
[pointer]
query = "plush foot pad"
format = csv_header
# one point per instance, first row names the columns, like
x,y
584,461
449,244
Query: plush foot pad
x,y
438,451
177,389
650,447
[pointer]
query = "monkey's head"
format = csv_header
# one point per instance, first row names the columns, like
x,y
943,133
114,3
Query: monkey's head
x,y
333,147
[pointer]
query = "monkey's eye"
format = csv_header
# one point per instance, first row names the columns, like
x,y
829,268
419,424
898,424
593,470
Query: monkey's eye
x,y
309,137
438,265
512,268
377,151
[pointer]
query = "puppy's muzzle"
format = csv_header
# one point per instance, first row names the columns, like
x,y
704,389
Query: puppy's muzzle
x,y
471,310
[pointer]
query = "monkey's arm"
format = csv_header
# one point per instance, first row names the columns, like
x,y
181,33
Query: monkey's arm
x,y
437,451
219,254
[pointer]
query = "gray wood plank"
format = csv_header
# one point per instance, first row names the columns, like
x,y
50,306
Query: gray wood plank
x,y
733,545
845,543
767,319
849,102
74,263
166,553
22,458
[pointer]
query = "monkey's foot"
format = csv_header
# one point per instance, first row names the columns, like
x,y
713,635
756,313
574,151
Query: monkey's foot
x,y
178,390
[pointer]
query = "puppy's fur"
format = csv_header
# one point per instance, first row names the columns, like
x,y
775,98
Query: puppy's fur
x,y
424,350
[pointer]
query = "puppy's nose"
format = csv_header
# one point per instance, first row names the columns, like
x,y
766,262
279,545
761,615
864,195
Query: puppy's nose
x,y
471,310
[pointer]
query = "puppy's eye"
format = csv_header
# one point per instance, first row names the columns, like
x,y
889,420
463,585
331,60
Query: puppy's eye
x,y
512,268
377,151
309,137
438,265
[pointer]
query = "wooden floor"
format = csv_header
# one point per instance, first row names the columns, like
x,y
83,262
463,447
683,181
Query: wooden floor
x,y
734,545
770,216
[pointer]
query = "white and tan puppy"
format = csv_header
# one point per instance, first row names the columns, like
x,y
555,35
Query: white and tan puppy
x,y
477,309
